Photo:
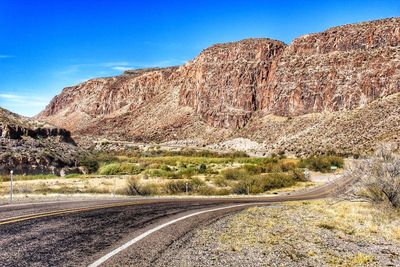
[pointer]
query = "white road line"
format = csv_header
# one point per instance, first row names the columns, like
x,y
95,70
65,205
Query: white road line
x,y
155,229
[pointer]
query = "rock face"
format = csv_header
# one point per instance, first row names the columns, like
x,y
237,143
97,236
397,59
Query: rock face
x,y
28,146
222,83
234,87
340,69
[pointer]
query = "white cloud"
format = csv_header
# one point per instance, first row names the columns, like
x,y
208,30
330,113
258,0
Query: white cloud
x,y
6,56
9,96
113,64
23,104
120,68
22,100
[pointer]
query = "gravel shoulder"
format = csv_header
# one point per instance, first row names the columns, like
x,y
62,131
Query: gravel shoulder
x,y
311,233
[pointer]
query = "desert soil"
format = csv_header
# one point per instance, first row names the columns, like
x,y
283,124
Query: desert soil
x,y
315,233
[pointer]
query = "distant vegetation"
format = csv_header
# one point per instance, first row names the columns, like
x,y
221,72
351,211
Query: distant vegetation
x,y
158,172
321,163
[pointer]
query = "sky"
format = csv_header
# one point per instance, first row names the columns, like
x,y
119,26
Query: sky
x,y
48,45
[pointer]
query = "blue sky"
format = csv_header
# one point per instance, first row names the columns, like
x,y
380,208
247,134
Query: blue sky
x,y
47,45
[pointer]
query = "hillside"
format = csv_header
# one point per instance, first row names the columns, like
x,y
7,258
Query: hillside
x,y
329,91
29,146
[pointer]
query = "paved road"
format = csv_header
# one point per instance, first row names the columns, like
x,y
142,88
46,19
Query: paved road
x,y
80,233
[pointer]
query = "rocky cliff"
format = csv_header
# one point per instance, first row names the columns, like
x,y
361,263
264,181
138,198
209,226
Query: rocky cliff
x,y
29,146
340,69
233,89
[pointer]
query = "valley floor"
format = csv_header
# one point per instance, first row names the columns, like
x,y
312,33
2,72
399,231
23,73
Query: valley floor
x,y
312,233
100,186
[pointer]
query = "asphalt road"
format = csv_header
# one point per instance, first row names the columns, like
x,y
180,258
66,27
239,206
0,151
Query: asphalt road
x,y
80,233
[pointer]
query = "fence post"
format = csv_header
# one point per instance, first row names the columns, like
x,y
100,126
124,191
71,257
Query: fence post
x,y
11,186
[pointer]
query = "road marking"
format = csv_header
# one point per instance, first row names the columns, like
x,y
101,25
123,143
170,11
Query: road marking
x,y
155,229
72,210
306,195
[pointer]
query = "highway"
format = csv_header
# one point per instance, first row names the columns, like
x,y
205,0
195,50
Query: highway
x,y
132,232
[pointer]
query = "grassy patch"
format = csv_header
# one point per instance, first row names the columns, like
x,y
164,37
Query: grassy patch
x,y
28,177
120,168
302,234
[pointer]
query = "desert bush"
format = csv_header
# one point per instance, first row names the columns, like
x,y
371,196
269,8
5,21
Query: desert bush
x,y
298,175
202,168
91,164
165,167
106,158
220,181
211,191
256,184
278,180
178,186
287,166
253,168
321,163
196,183
135,187
376,179
273,167
234,173
120,168
249,185
186,172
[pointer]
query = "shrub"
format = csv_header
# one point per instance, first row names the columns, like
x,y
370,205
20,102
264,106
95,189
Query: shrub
x,y
165,167
234,173
178,186
377,179
196,183
202,168
278,180
321,163
121,168
186,172
91,164
220,181
256,184
135,187
211,191
253,169
249,185
298,175
105,157
287,166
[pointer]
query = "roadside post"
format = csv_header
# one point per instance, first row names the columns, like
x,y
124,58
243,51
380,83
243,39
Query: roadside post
x,y
115,185
186,187
11,186
306,174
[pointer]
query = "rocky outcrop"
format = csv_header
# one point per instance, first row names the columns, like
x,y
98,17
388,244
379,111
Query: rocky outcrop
x,y
28,146
12,131
222,83
340,69
228,87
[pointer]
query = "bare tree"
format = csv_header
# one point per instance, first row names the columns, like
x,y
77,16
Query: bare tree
x,y
376,179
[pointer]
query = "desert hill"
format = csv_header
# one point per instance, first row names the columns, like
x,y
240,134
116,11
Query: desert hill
x,y
337,90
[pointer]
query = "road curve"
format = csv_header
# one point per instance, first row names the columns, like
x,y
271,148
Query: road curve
x,y
81,233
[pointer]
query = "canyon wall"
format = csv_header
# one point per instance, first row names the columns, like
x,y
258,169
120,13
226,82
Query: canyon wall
x,y
340,69
228,86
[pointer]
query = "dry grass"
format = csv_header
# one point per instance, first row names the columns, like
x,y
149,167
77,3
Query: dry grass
x,y
312,232
93,185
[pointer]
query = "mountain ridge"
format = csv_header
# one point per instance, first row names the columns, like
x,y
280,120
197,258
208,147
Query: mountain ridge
x,y
218,93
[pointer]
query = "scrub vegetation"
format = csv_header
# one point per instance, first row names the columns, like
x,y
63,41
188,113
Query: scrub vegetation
x,y
159,172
